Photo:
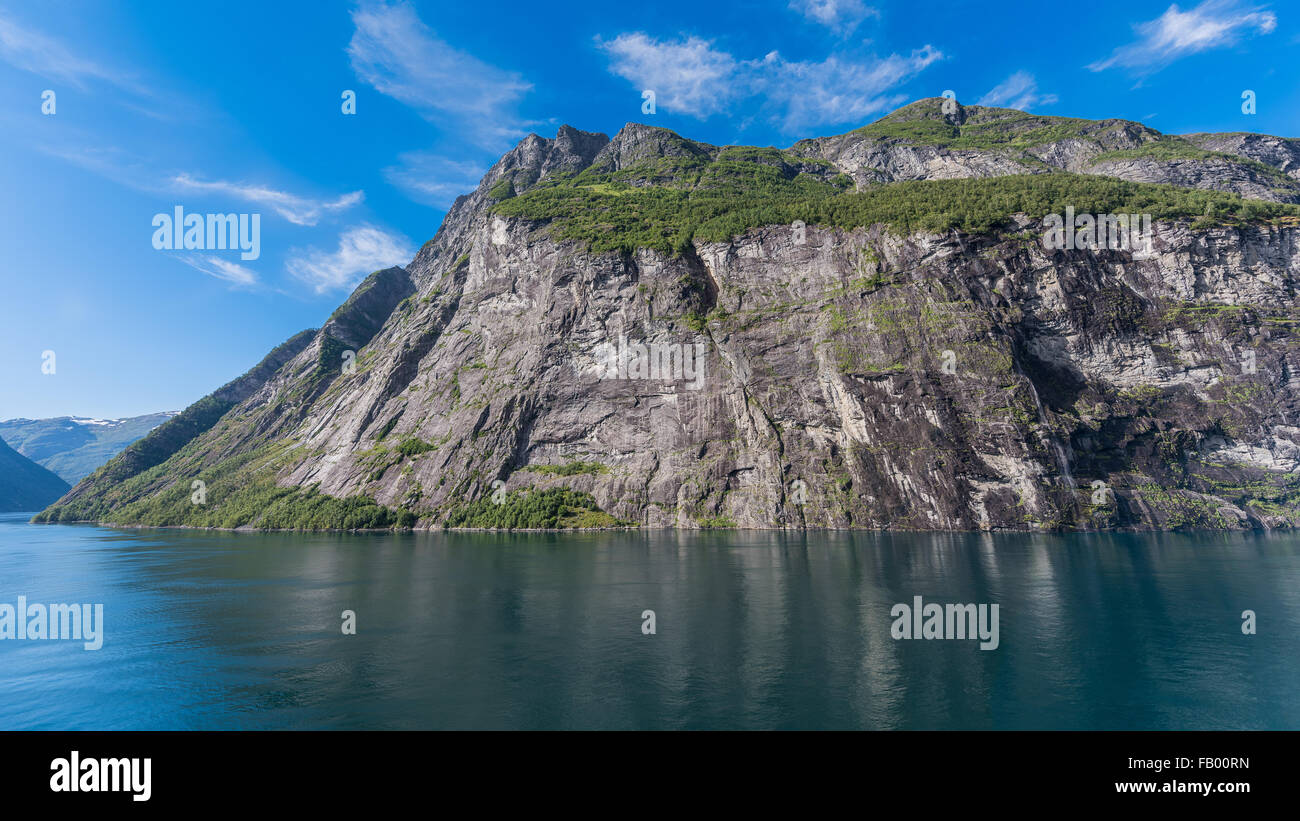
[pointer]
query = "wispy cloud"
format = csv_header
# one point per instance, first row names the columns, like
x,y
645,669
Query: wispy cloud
x,y
433,179
1178,33
840,16
397,54
362,249
296,209
836,90
1020,90
132,171
108,161
236,275
30,50
689,76
473,104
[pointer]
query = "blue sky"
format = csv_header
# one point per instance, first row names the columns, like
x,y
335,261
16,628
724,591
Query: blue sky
x,y
236,107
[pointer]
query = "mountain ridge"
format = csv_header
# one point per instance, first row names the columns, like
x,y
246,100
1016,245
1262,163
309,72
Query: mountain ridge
x,y
73,446
1065,143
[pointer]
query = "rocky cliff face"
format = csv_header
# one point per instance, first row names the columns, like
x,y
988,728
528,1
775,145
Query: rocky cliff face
x,y
850,376
1278,152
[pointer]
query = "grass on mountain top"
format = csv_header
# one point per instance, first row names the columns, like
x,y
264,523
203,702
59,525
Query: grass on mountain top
x,y
990,130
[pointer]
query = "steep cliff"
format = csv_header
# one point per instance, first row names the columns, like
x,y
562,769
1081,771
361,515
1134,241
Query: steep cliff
x,y
859,331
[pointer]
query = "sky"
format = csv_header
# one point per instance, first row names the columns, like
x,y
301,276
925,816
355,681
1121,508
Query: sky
x,y
113,113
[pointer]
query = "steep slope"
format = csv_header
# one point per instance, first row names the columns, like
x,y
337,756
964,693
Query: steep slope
x,y
876,354
1277,152
923,141
25,485
101,490
73,446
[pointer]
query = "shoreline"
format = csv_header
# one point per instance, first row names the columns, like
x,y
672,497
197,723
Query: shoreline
x,y
647,529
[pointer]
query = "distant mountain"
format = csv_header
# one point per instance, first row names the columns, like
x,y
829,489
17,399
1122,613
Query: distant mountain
x,y
25,485
73,446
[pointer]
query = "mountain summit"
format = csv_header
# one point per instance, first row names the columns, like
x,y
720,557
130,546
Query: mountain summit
x,y
865,330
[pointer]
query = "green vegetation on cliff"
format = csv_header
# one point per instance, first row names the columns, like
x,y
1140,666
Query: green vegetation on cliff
x,y
568,468
984,129
265,506
171,436
728,201
240,491
557,508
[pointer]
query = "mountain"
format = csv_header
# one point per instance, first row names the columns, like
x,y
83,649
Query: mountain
x,y
887,341
73,446
25,485
920,141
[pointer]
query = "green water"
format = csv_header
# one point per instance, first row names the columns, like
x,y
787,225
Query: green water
x,y
752,630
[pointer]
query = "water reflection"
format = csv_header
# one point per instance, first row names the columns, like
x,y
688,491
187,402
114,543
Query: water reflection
x,y
754,630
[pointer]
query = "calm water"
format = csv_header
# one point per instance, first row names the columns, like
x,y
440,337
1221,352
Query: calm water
x,y
754,630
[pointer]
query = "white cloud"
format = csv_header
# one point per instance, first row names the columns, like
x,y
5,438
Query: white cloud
x,y
1178,33
1020,90
397,54
131,171
840,16
687,76
362,249
222,269
432,179
836,90
296,209
690,77
472,103
32,51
